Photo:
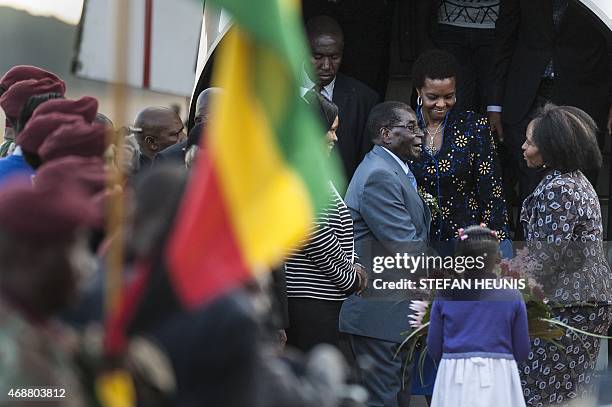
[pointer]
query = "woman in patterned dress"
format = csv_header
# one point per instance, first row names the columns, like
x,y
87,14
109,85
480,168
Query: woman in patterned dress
x,y
458,166
563,230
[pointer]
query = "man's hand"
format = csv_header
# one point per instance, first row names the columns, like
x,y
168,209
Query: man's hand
x,y
496,125
610,121
363,278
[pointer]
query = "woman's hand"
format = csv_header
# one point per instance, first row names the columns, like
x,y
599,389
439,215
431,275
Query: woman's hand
x,y
363,278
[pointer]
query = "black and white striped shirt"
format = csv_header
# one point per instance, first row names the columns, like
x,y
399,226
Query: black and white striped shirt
x,y
324,267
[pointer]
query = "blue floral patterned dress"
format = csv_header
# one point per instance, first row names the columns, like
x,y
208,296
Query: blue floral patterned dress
x,y
465,177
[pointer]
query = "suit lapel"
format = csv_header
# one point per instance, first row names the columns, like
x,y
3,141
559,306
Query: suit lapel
x,y
341,94
404,178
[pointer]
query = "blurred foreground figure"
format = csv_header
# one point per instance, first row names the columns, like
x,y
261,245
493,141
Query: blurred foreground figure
x,y
216,355
42,249
34,81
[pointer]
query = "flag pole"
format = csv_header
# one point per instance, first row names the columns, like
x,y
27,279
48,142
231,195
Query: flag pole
x,y
115,205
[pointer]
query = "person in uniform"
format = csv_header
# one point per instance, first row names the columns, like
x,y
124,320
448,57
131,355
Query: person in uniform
x,y
12,76
42,244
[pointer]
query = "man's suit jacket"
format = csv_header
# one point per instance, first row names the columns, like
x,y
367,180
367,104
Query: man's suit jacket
x,y
172,155
354,100
526,40
389,217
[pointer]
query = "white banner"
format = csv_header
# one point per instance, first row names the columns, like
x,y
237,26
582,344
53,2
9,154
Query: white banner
x,y
162,43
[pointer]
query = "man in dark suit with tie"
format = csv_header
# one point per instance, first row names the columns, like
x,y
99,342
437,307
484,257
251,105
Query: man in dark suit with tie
x,y
353,98
389,219
547,50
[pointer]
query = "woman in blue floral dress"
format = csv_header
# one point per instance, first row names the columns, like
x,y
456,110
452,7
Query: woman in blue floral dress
x,y
458,166
458,163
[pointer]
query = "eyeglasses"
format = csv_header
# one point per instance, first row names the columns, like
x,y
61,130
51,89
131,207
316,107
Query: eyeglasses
x,y
412,127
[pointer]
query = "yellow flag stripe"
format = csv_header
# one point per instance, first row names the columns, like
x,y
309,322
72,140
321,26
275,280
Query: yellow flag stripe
x,y
268,203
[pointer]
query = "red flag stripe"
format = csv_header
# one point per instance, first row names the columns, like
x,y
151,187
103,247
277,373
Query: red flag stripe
x,y
205,228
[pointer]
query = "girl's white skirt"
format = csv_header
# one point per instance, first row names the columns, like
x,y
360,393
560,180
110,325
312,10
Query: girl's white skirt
x,y
477,382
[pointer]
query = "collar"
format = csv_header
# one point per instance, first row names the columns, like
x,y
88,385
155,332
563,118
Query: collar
x,y
17,151
400,162
307,84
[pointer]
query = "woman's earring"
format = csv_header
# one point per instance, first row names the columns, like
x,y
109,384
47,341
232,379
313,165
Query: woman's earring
x,y
419,101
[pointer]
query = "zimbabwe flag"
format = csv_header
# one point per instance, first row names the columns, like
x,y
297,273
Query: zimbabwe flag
x,y
262,173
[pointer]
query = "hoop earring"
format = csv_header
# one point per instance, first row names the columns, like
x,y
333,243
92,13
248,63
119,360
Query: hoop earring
x,y
419,101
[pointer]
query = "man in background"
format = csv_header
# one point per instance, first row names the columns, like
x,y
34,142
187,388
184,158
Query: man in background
x,y
353,98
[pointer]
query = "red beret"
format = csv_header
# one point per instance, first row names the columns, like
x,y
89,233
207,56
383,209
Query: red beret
x,y
80,139
23,73
44,214
40,127
17,95
88,173
87,107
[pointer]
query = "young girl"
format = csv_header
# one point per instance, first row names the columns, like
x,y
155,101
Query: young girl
x,y
478,335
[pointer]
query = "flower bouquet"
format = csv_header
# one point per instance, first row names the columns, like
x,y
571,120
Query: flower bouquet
x,y
430,201
539,310
417,339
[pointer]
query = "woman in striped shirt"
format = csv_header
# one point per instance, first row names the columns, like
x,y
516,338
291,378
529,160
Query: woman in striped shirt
x,y
323,272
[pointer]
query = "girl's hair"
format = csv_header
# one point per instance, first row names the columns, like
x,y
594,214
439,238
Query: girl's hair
x,y
326,110
478,241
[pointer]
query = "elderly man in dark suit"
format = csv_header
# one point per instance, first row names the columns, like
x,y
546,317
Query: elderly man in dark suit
x,y
353,98
547,50
389,218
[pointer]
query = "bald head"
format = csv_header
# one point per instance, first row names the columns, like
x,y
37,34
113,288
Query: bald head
x,y
326,44
160,127
203,104
324,25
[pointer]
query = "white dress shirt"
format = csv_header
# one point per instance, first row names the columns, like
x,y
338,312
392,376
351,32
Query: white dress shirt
x,y
307,84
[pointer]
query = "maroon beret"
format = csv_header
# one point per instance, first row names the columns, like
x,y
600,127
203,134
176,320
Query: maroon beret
x,y
87,107
40,127
17,95
44,214
80,139
88,173
22,73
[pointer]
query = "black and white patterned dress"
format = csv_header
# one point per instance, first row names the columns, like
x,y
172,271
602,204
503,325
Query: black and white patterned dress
x,y
563,230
